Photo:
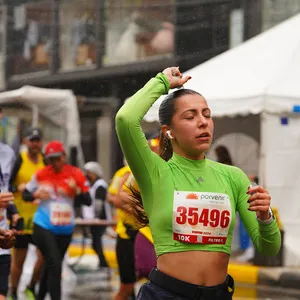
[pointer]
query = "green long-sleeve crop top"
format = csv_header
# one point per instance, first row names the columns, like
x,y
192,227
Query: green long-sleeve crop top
x,y
191,204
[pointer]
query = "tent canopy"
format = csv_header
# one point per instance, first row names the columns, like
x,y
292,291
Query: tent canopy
x,y
60,106
253,77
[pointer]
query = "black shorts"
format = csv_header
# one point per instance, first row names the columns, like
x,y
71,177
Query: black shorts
x,y
23,241
125,257
162,286
5,262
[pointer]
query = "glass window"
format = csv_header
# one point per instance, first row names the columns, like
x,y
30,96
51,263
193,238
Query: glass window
x,y
276,11
137,30
77,33
2,46
31,41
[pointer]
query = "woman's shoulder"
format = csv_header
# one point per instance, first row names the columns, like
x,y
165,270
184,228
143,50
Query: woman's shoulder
x,y
234,176
225,169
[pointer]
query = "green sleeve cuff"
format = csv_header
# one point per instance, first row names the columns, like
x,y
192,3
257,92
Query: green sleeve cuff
x,y
269,228
164,79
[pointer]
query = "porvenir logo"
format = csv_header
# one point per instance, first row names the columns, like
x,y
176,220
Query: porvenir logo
x,y
212,197
192,196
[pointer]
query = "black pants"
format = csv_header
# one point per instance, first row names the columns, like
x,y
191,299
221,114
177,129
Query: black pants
x,y
5,261
164,287
125,258
53,247
97,233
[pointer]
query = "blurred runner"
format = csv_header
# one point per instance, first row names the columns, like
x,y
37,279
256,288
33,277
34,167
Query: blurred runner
x,y
145,256
125,237
7,211
144,252
56,187
100,208
27,164
7,238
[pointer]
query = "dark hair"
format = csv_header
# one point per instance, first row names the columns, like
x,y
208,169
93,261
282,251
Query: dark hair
x,y
166,111
223,155
165,115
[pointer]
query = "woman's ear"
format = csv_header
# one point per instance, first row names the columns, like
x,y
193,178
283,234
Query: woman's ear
x,y
167,132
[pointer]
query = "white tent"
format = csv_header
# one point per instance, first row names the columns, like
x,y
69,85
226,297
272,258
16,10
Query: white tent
x,y
59,106
257,85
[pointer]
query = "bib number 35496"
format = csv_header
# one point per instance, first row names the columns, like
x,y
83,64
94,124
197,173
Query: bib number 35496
x,y
201,218
207,217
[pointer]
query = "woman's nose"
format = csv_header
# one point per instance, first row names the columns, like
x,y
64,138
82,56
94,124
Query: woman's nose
x,y
203,122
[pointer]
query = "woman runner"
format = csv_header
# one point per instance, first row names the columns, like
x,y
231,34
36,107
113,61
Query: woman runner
x,y
190,201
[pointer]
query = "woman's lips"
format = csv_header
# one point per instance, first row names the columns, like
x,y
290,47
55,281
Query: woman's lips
x,y
203,137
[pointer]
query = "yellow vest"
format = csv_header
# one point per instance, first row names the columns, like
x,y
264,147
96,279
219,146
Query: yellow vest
x,y
145,231
114,189
26,171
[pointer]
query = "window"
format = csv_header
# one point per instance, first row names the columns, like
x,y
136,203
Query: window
x,y
276,11
2,44
2,29
31,42
77,33
138,30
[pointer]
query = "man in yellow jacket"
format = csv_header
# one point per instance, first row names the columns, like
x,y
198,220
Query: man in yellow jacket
x,y
26,165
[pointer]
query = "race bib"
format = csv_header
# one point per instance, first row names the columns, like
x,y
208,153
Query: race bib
x,y
201,218
60,214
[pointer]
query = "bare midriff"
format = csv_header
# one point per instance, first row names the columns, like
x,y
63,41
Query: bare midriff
x,y
196,267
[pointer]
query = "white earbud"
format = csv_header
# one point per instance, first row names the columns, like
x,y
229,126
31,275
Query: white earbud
x,y
169,134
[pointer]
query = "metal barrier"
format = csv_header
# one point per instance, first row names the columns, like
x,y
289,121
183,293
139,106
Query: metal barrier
x,y
94,222
83,223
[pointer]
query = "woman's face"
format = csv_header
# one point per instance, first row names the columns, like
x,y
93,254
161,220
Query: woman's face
x,y
192,127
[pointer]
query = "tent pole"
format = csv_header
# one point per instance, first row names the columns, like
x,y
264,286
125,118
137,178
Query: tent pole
x,y
35,115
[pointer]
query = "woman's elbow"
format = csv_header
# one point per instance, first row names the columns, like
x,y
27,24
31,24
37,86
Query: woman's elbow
x,y
273,248
123,120
272,251
120,118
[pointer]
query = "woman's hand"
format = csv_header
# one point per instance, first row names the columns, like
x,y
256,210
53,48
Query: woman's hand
x,y
175,78
5,199
260,202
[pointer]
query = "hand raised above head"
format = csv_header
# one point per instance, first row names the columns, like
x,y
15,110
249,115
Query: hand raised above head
x,y
175,77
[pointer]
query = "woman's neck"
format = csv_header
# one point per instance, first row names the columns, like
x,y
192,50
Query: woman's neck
x,y
198,156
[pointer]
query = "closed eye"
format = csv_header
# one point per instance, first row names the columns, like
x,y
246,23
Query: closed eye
x,y
206,113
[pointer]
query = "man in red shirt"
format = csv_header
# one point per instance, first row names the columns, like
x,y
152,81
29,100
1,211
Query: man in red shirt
x,y
56,186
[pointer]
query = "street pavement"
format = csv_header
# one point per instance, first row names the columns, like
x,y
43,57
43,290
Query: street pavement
x,y
82,280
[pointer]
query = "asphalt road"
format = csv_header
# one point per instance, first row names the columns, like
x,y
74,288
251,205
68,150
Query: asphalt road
x,y
86,282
